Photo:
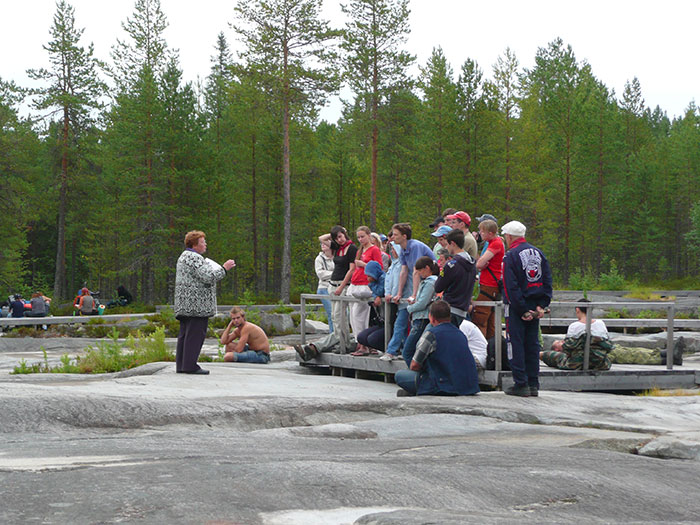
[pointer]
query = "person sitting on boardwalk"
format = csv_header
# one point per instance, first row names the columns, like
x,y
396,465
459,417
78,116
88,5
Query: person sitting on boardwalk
x,y
371,339
248,343
567,354
442,364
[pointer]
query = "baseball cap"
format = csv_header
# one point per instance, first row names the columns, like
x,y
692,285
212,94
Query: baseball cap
x,y
514,228
462,216
442,230
487,216
437,221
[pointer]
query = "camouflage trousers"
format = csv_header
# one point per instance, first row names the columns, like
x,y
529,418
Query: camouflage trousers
x,y
574,361
636,356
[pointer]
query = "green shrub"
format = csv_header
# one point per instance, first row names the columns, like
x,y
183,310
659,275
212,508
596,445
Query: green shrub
x,y
612,280
109,356
580,280
282,309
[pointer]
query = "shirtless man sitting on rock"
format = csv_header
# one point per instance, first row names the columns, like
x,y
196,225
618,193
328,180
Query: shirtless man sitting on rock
x,y
248,343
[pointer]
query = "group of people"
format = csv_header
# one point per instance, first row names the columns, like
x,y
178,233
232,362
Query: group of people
x,y
16,306
414,278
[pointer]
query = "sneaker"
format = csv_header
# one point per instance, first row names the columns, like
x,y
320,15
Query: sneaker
x,y
534,391
518,390
388,357
403,393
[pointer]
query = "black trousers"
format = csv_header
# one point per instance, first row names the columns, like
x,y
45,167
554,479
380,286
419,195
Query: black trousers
x,y
193,331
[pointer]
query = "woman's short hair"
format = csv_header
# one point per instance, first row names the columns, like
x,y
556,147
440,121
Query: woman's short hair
x,y
192,238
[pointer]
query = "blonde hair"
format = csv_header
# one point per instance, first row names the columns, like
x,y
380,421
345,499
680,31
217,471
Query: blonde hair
x,y
489,226
361,249
237,310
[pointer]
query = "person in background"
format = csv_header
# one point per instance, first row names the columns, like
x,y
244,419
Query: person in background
x,y
461,221
419,309
371,339
195,300
359,284
39,305
323,265
409,280
379,241
490,279
456,280
439,221
441,235
86,304
17,306
477,343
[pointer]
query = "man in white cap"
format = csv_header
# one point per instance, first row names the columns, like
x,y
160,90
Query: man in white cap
x,y
527,282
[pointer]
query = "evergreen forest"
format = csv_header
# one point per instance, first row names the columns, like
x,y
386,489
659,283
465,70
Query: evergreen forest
x,y
118,157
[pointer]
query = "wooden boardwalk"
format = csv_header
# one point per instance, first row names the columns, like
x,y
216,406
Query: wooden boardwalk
x,y
69,319
618,378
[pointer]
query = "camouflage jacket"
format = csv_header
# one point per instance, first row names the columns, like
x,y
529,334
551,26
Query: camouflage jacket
x,y
598,358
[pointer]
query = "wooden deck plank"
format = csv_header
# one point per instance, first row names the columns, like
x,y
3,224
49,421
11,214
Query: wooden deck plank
x,y
620,377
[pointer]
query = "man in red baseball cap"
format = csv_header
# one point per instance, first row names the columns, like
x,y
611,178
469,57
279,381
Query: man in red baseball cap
x,y
460,221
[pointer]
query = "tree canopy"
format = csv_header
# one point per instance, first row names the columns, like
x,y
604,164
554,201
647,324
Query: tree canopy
x,y
120,156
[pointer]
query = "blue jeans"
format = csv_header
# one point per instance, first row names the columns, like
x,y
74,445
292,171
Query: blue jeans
x,y
252,356
409,347
327,307
407,379
399,335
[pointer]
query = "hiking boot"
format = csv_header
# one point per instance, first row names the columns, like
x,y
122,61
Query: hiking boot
x,y
305,352
517,390
678,350
534,391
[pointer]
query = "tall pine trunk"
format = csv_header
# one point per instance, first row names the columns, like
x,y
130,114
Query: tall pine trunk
x,y
59,285
285,281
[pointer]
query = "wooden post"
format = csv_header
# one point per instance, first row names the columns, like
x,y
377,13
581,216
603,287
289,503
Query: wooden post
x,y
303,320
387,324
670,314
587,347
498,334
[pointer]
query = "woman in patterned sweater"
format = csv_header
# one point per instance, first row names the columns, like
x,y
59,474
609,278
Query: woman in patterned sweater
x,y
195,300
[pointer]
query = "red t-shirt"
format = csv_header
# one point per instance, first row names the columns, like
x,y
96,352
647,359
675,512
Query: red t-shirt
x,y
495,263
370,254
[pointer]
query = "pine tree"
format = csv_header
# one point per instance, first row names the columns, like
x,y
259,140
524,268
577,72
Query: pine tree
x,y
73,93
439,129
375,65
292,46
